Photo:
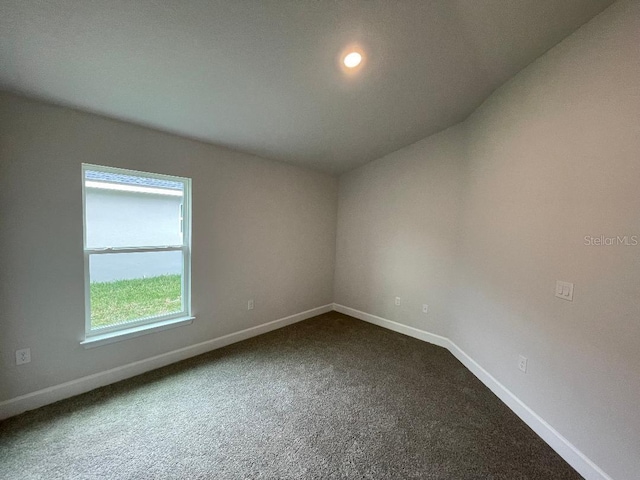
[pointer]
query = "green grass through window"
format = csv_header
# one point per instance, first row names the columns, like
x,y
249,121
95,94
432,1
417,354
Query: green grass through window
x,y
126,300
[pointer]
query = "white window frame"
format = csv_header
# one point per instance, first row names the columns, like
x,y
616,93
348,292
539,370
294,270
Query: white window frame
x,y
109,334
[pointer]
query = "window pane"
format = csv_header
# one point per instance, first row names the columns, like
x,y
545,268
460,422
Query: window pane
x,y
131,286
132,211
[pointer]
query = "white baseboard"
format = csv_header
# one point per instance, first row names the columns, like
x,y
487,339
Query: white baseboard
x,y
395,326
39,398
574,457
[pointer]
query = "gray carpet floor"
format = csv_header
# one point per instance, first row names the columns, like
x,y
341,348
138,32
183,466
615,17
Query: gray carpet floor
x,y
330,397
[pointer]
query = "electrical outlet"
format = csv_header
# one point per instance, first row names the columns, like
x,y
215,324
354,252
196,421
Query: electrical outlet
x,y
23,356
522,363
397,302
250,304
425,308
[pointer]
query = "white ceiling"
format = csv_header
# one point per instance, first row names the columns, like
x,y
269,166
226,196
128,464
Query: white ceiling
x,y
264,76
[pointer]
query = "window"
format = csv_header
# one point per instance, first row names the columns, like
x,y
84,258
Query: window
x,y
136,250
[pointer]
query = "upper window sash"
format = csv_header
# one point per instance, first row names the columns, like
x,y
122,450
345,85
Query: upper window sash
x,y
150,192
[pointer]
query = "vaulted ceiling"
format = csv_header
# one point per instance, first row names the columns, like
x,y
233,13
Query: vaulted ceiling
x,y
265,77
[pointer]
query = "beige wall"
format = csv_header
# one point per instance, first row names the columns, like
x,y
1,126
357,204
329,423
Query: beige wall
x,y
551,157
261,230
398,225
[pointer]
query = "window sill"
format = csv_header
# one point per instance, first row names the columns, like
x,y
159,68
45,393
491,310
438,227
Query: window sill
x,y
112,337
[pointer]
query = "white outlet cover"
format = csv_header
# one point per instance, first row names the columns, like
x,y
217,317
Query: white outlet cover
x,y
397,302
250,305
23,356
522,363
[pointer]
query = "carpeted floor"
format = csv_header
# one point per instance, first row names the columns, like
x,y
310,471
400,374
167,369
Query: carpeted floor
x,y
330,397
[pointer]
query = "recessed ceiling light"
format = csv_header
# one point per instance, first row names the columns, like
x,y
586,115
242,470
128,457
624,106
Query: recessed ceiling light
x,y
352,60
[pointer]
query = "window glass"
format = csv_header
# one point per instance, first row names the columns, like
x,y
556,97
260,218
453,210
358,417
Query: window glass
x,y
129,211
137,250
126,287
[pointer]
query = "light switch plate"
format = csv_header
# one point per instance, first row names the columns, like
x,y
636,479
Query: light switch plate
x,y
564,290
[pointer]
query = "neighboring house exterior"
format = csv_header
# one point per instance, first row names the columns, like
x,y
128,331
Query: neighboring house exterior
x,y
124,210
